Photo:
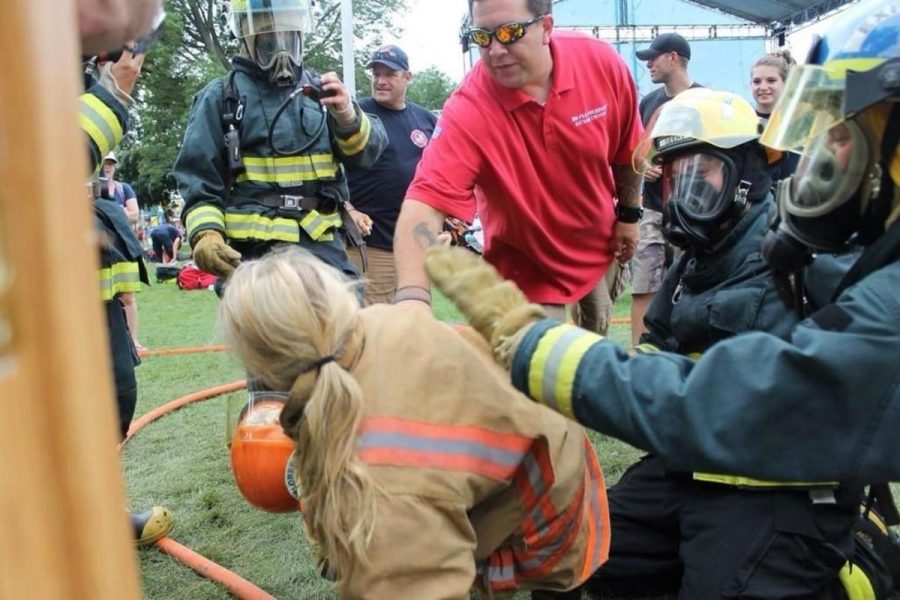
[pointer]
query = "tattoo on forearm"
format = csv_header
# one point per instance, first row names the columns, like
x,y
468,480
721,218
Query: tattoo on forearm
x,y
424,237
628,185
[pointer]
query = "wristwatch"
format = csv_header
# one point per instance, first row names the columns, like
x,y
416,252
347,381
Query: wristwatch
x,y
629,214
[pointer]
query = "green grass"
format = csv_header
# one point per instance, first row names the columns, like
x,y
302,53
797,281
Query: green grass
x,y
181,461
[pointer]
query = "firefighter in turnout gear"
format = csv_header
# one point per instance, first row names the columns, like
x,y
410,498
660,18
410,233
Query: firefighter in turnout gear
x,y
103,116
822,404
261,161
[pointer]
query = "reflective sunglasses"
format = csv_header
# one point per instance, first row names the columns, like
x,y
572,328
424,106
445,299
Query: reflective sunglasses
x,y
505,34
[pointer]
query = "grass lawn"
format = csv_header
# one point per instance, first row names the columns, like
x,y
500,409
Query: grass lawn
x,y
181,461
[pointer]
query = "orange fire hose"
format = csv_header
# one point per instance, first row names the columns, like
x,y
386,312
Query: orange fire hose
x,y
234,583
159,411
186,350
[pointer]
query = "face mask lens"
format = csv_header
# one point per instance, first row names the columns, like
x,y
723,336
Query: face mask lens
x,y
831,171
696,182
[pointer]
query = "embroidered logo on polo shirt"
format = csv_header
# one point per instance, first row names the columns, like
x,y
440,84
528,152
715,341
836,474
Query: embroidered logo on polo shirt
x,y
419,138
590,115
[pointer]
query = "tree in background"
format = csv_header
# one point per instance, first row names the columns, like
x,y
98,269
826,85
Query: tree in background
x,y
430,88
196,46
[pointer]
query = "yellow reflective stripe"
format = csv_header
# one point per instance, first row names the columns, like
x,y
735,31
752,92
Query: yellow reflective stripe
x,y
320,227
100,122
856,583
646,349
244,227
204,215
356,142
740,481
551,374
119,278
317,225
837,69
288,170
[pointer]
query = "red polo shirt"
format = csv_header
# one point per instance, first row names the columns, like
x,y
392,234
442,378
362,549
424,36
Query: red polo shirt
x,y
539,176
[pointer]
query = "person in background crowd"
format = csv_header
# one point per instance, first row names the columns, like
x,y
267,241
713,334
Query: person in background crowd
x,y
376,193
166,240
767,78
667,61
124,196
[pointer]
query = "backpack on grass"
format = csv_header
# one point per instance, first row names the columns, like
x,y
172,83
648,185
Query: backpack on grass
x,y
192,278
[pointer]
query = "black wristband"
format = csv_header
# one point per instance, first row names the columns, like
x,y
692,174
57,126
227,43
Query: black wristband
x,y
629,214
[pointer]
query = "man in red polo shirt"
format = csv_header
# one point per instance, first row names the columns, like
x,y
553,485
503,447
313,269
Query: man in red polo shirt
x,y
538,141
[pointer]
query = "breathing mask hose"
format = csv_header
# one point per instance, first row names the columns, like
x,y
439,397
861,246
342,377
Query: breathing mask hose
x,y
301,90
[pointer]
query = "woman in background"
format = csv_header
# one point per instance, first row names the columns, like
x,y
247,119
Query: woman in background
x,y
767,78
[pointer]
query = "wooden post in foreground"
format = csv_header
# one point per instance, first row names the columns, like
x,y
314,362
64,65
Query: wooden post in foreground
x,y
64,531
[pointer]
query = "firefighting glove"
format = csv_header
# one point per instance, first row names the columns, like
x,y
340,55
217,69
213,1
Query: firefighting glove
x,y
213,255
496,308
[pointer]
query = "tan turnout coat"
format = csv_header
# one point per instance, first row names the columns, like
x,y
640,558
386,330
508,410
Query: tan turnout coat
x,y
483,487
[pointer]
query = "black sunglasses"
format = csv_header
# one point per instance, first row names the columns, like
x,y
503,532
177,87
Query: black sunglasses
x,y
505,34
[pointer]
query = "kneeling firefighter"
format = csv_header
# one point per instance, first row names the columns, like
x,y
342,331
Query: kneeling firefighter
x,y
262,153
704,535
821,404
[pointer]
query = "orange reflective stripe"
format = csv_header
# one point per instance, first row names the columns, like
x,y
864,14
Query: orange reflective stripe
x,y
403,442
533,481
500,570
597,551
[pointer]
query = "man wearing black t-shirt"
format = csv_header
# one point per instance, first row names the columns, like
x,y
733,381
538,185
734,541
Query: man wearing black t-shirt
x,y
376,193
667,59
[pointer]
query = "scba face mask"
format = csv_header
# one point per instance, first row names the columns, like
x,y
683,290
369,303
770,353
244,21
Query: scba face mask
x,y
272,32
701,192
279,53
821,206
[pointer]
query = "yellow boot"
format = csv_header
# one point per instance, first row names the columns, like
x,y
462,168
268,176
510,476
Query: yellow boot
x,y
151,525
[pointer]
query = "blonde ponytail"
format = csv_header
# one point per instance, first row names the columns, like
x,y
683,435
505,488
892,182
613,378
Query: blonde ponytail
x,y
291,319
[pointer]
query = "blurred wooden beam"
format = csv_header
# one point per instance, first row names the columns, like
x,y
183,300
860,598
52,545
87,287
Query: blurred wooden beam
x,y
65,533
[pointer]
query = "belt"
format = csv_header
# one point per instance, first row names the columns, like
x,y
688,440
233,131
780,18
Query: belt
x,y
290,202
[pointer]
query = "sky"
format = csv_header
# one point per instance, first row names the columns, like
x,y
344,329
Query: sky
x,y
431,29
431,36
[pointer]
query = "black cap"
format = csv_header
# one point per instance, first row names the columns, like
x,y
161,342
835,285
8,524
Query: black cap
x,y
666,42
390,56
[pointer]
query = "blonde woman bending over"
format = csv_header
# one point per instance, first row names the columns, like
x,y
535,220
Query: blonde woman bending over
x,y
423,473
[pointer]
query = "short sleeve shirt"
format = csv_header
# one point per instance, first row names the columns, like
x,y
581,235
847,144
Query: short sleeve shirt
x,y
379,190
539,175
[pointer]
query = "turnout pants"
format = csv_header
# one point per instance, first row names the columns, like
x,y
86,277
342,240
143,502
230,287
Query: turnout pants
x,y
124,359
671,534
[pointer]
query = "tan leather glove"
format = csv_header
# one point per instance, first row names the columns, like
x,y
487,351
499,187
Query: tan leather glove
x,y
496,308
213,255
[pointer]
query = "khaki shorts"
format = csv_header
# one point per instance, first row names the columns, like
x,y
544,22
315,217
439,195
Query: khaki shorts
x,y
594,311
380,280
649,263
